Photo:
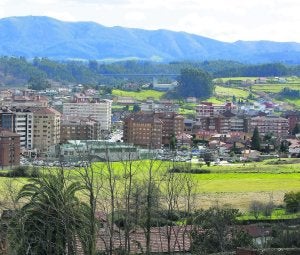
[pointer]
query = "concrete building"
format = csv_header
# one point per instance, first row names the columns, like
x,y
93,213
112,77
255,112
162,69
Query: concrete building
x,y
207,109
89,150
74,128
151,106
100,110
18,120
9,148
278,126
224,123
46,127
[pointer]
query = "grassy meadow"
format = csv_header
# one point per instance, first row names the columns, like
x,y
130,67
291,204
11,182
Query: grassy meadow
x,y
229,92
139,95
235,184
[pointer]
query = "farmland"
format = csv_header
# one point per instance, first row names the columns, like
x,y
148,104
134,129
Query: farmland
x,y
229,92
139,95
236,184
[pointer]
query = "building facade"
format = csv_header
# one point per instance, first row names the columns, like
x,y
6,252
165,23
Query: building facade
x,y
18,120
152,130
100,110
143,130
9,148
73,128
46,128
277,126
207,109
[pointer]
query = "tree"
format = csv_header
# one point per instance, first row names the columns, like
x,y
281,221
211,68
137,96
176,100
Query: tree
x,y
256,208
292,201
38,82
195,82
50,218
173,142
215,231
255,141
136,108
296,129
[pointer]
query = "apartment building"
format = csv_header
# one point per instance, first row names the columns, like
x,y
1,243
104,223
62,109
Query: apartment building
x,y
172,124
278,126
224,123
152,130
18,120
9,148
100,110
294,119
46,127
144,130
74,128
207,109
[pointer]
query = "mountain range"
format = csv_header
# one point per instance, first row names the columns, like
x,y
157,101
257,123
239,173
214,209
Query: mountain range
x,y
39,36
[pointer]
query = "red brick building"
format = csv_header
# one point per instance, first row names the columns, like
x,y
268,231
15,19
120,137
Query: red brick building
x,y
152,130
76,128
9,148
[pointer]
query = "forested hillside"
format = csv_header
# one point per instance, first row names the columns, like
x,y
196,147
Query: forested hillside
x,y
18,71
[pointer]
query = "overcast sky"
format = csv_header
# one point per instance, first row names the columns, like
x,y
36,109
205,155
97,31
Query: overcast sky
x,y
226,20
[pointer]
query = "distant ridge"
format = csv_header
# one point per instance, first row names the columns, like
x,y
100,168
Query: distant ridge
x,y
36,36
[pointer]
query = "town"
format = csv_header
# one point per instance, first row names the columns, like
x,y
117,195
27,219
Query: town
x,y
149,127
43,126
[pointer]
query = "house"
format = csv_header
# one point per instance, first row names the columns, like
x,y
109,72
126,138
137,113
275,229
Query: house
x,y
184,139
294,147
250,154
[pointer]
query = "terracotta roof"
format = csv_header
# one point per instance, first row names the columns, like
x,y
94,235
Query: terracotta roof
x,y
44,110
179,236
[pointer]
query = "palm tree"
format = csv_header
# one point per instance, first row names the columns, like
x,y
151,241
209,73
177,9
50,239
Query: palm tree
x,y
50,218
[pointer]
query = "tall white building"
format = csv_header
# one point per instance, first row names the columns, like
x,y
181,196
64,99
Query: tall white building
x,y
18,120
100,111
24,127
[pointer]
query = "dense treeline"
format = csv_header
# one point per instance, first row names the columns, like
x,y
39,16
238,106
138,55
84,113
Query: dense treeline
x,y
290,93
93,72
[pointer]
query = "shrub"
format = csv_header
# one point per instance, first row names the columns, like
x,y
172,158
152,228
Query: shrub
x,y
19,171
190,171
292,202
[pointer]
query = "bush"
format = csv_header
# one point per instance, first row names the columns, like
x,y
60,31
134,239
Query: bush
x,y
35,172
20,171
190,171
292,202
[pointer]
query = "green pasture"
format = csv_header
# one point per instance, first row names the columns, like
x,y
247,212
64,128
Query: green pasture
x,y
236,79
215,100
277,213
139,95
221,91
274,88
247,182
236,184
294,102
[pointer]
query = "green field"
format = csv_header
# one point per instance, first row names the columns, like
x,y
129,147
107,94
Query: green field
x,y
228,92
294,102
236,79
139,95
236,184
274,88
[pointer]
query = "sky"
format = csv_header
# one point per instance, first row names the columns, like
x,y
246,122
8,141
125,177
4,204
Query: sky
x,y
225,20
